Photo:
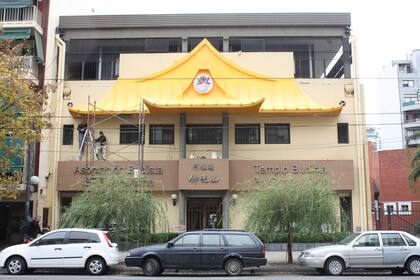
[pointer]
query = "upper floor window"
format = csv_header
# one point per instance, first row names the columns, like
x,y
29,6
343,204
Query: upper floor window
x,y
217,42
161,134
343,133
277,133
247,134
408,83
129,134
204,134
68,134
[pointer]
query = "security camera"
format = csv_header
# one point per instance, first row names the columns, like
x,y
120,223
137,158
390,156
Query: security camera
x,y
342,103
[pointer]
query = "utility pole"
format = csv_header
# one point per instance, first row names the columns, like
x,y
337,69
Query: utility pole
x,y
30,149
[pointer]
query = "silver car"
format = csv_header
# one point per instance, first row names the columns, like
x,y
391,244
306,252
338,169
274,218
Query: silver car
x,y
395,250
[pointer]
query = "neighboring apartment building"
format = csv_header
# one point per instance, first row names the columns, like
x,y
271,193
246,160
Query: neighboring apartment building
x,y
24,21
399,102
264,95
395,205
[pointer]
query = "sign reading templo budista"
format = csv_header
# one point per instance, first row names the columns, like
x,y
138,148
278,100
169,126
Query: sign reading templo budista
x,y
289,169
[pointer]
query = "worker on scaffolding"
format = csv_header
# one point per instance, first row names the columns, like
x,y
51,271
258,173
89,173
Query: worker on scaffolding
x,y
101,146
81,128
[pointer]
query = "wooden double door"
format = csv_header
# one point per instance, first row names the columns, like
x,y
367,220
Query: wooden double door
x,y
199,210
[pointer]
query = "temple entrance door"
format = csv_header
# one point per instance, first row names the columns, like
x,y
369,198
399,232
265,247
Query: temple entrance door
x,y
199,210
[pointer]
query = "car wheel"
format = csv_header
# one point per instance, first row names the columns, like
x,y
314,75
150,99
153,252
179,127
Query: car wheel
x,y
320,270
413,266
96,266
397,271
233,267
151,267
16,266
334,266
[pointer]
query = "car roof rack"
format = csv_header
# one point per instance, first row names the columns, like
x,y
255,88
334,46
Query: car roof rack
x,y
221,229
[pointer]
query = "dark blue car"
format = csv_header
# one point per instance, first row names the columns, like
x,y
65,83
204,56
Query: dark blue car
x,y
207,249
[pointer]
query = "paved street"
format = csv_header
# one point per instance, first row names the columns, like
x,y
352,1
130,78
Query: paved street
x,y
208,276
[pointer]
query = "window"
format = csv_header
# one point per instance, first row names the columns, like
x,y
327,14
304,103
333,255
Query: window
x,y
68,134
247,134
238,240
129,134
343,133
277,133
79,237
368,240
408,83
410,241
212,240
161,134
163,45
190,240
217,42
204,134
390,208
392,240
404,208
53,238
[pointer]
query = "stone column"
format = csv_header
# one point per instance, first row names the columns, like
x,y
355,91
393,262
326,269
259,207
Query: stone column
x,y
225,136
226,44
182,207
226,210
182,136
184,45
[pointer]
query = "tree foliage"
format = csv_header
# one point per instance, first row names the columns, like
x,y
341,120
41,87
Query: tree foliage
x,y
21,113
415,164
114,199
303,204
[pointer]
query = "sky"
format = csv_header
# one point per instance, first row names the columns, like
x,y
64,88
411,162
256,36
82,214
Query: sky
x,y
385,30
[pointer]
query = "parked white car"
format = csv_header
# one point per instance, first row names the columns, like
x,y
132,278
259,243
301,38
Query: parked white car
x,y
395,250
63,248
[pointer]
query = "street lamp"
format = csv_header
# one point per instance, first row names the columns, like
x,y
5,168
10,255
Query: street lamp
x,y
34,181
174,197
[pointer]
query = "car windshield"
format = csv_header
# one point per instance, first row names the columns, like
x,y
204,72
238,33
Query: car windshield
x,y
349,239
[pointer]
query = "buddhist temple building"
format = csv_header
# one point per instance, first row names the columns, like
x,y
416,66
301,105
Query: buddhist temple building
x,y
203,116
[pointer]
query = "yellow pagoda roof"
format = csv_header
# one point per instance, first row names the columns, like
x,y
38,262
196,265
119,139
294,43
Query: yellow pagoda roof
x,y
205,82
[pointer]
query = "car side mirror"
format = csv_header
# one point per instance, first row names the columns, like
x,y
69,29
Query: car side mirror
x,y
170,244
356,244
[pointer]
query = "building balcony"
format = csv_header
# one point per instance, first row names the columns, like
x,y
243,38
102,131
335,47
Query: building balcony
x,y
413,123
411,105
25,17
30,68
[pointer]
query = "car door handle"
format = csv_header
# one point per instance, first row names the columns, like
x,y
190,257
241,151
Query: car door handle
x,y
378,249
404,249
57,249
194,249
86,247
222,249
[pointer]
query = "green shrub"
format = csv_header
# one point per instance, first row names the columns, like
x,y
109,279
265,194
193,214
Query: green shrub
x,y
281,237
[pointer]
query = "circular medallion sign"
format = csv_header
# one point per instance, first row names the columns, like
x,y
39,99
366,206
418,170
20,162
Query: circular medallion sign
x,y
203,83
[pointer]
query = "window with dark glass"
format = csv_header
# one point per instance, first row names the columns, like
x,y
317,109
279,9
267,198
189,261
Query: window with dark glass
x,y
78,237
68,134
53,238
217,42
277,133
204,134
129,134
343,133
162,134
247,134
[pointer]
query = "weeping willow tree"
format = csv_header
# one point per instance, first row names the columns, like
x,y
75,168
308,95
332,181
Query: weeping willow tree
x,y
304,204
115,201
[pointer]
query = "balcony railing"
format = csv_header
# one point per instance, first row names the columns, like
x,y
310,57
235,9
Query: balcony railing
x,y
21,17
30,67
